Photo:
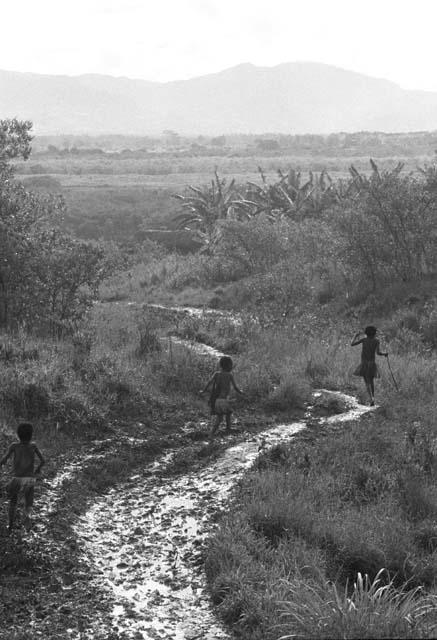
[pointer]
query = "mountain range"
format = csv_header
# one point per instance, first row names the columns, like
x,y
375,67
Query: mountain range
x,y
293,98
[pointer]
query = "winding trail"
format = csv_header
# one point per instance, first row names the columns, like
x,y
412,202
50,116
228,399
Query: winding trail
x,y
145,537
144,540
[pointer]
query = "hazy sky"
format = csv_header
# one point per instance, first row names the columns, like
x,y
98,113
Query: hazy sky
x,y
174,39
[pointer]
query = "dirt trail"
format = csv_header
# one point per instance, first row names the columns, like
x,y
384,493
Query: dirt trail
x,y
145,538
143,541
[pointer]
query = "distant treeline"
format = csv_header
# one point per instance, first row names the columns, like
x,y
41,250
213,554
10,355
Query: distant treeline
x,y
170,142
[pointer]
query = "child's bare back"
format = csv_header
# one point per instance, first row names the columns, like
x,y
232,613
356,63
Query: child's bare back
x,y
222,382
23,454
23,459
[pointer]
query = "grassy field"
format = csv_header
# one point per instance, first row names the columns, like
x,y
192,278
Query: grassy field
x,y
309,519
334,536
114,198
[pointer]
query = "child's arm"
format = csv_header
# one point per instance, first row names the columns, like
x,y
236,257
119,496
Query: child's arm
x,y
355,340
235,386
42,461
209,383
7,456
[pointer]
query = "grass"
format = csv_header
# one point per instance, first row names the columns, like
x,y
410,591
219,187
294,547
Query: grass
x,y
87,394
371,609
332,510
308,519
350,503
114,368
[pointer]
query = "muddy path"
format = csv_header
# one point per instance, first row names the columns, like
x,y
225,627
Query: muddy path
x,y
141,544
146,536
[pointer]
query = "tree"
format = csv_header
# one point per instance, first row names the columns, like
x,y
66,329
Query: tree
x,y
289,197
387,222
203,208
15,141
254,245
46,278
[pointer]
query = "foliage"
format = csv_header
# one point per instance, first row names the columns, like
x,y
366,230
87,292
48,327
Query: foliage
x,y
15,140
357,499
46,278
344,236
372,609
288,197
387,223
253,245
206,207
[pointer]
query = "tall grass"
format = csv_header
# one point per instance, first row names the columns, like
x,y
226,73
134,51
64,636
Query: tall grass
x,y
115,368
311,520
371,609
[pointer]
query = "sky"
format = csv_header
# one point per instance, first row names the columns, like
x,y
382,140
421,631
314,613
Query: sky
x,y
162,40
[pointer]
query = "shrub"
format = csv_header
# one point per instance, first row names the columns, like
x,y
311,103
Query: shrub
x,y
73,414
317,370
28,400
429,331
254,245
149,341
418,500
291,393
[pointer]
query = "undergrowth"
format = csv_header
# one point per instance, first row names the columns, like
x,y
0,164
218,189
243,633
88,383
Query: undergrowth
x,y
326,511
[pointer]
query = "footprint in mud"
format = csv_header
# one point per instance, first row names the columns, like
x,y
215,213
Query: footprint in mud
x,y
145,538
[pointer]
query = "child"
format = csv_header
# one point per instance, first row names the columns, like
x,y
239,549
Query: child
x,y
23,454
220,402
368,369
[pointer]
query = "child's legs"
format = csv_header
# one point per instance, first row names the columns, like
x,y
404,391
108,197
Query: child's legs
x,y
13,500
29,493
13,491
369,386
12,511
217,422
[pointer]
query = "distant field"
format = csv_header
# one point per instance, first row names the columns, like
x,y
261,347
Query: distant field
x,y
169,165
114,198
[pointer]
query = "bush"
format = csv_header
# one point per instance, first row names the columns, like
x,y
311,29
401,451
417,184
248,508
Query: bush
x,y
149,341
418,500
31,402
291,393
429,331
254,245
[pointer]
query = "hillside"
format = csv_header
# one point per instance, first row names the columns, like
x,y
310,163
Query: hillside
x,y
296,97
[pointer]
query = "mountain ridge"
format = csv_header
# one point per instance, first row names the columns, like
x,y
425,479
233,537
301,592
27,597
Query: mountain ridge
x,y
293,97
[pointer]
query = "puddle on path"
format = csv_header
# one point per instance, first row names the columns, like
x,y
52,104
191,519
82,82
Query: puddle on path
x,y
145,538
196,347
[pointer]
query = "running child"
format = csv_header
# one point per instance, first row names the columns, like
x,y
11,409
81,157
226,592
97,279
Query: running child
x,y
23,455
221,384
368,368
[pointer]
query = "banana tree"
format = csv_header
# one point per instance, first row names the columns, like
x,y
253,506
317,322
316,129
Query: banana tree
x,y
203,208
288,197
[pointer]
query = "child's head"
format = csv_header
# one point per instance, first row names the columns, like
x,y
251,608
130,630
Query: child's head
x,y
226,363
25,432
370,331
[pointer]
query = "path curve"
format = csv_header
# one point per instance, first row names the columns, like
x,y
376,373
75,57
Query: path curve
x,y
145,537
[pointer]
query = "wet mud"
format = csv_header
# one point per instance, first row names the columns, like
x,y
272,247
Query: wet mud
x,y
146,537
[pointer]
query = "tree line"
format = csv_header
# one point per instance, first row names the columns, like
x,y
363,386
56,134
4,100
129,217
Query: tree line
x,y
370,228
